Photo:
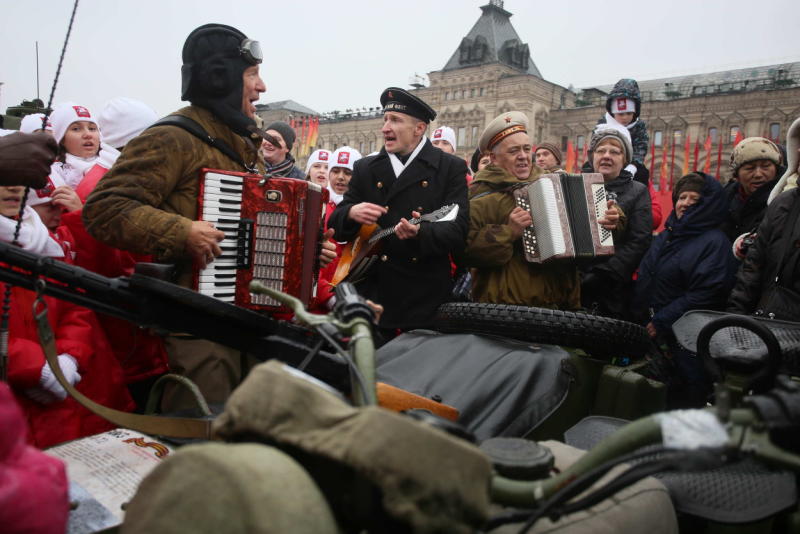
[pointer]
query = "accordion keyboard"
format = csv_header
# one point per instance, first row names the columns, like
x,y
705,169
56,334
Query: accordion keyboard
x,y
222,206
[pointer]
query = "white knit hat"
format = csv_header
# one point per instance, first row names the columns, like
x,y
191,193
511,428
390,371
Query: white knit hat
x,y
124,118
318,156
344,157
42,196
444,133
31,123
65,114
603,131
623,105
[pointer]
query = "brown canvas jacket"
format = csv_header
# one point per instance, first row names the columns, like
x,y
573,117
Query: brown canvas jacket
x,y
502,274
147,201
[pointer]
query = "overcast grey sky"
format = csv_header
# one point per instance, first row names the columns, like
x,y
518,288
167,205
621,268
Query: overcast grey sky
x,y
334,55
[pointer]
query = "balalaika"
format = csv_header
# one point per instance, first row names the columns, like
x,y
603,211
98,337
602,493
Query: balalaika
x,y
272,229
565,209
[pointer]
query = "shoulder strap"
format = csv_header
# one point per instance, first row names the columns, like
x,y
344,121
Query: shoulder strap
x,y
786,245
507,189
194,128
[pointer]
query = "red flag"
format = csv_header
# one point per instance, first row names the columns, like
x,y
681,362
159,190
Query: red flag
x,y
719,157
738,138
696,153
571,156
707,148
671,167
686,148
653,156
663,174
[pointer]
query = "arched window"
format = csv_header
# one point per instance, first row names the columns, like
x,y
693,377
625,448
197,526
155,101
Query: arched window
x,y
677,136
658,138
734,131
713,133
581,140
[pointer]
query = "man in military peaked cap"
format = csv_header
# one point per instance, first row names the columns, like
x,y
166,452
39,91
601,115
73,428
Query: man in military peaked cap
x,y
407,178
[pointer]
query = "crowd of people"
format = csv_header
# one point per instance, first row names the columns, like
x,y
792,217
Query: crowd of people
x,y
123,188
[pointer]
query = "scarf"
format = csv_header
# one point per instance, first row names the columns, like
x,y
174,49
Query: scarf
x,y
398,166
33,235
281,169
334,197
108,155
73,169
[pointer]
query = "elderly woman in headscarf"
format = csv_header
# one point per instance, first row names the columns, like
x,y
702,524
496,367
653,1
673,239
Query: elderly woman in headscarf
x,y
689,266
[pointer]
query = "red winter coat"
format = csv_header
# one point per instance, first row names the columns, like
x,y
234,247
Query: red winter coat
x,y
76,332
33,485
140,352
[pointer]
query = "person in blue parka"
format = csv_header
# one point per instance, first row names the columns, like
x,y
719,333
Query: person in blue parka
x,y
689,266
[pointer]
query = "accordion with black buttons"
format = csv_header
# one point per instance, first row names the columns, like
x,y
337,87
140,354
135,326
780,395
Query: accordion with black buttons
x,y
272,232
565,209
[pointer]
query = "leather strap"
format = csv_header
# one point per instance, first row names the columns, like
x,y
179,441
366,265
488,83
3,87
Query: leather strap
x,y
173,427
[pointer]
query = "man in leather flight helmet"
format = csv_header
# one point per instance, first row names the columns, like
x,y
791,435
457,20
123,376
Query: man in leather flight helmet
x,y
147,202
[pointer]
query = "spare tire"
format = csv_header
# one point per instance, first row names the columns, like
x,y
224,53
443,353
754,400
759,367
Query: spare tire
x,y
598,336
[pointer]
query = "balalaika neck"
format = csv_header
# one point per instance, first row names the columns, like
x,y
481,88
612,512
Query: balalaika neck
x,y
386,232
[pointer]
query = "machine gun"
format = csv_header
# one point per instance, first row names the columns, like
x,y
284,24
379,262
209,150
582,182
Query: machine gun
x,y
150,302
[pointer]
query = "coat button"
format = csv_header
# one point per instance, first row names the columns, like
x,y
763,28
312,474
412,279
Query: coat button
x,y
379,184
424,183
387,207
414,260
384,258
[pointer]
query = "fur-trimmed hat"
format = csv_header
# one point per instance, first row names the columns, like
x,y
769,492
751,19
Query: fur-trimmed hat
x,y
553,149
789,178
605,131
502,126
754,149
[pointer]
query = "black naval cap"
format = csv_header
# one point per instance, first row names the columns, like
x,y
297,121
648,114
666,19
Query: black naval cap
x,y
401,101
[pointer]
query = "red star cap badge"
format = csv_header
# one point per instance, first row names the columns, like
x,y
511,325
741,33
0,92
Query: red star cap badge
x,y
508,119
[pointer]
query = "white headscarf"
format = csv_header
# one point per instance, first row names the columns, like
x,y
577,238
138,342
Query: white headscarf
x,y
33,235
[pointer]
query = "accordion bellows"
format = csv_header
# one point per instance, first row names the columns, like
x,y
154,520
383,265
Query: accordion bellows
x,y
565,209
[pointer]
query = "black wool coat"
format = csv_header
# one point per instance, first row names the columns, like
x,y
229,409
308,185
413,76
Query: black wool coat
x,y
412,277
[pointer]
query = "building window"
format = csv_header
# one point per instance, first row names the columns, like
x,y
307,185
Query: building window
x,y
734,131
481,91
677,137
712,133
361,147
580,142
658,138
539,133
447,95
563,142
462,136
372,146
474,135
471,93
775,131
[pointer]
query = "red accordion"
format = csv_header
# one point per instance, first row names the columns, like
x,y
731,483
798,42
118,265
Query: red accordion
x,y
272,229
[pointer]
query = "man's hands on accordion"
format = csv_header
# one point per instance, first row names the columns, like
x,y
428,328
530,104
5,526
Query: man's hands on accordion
x,y
518,220
202,244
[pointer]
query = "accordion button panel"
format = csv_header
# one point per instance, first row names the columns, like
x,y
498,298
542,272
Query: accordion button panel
x,y
270,254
